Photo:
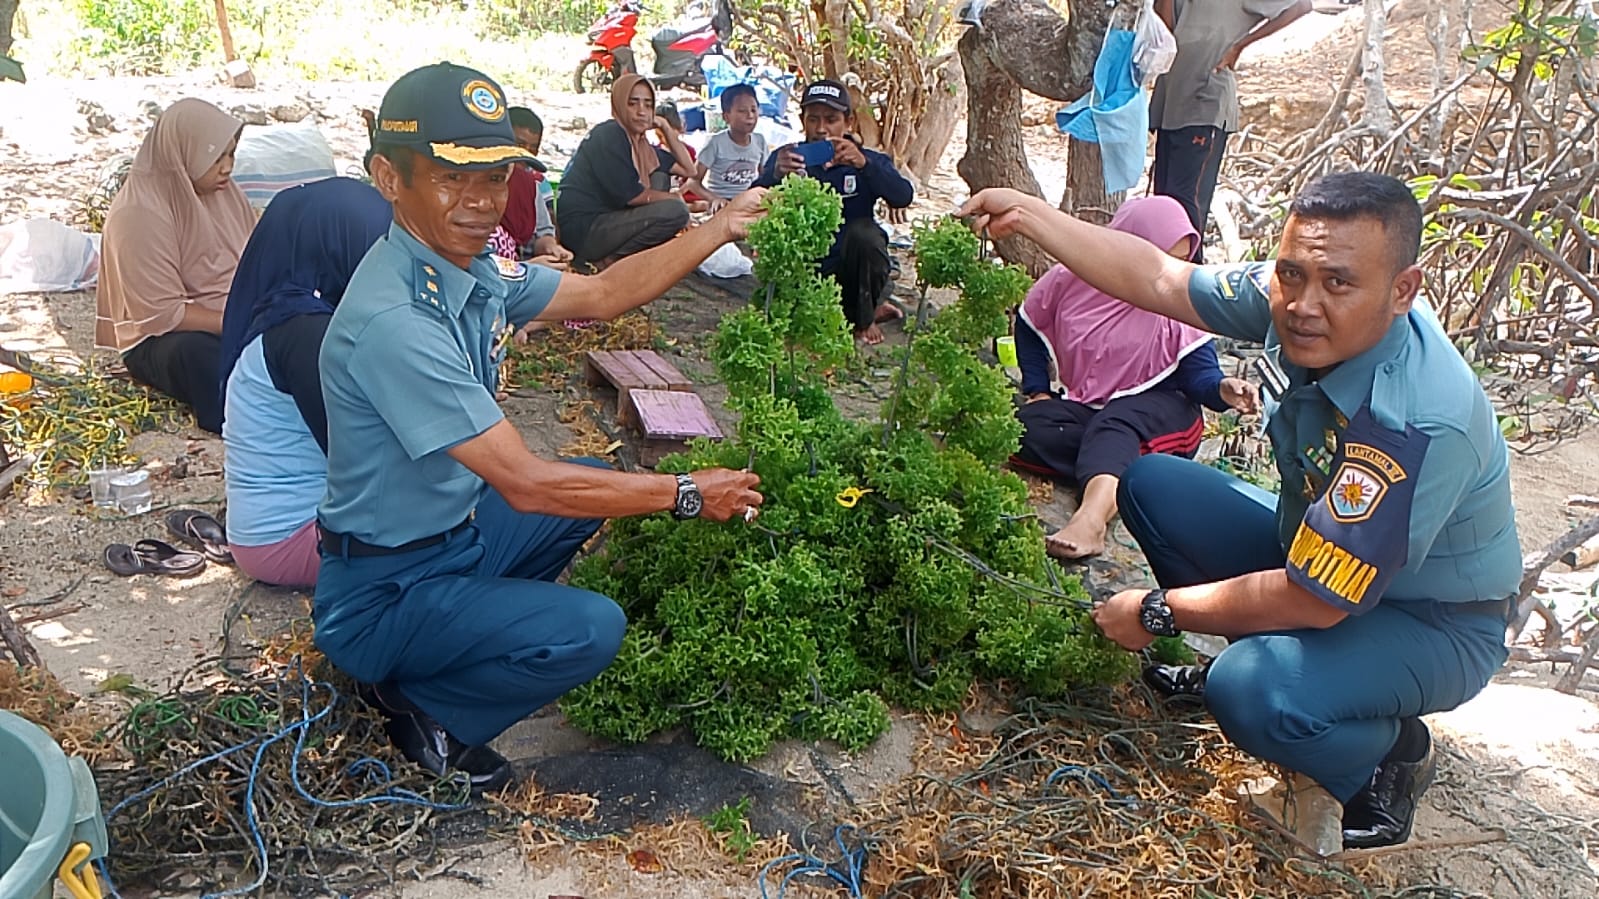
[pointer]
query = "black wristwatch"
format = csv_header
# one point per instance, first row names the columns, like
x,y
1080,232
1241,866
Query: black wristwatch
x,y
1156,616
689,501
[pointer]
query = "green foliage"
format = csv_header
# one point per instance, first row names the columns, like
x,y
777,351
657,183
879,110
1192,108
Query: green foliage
x,y
731,823
141,37
893,561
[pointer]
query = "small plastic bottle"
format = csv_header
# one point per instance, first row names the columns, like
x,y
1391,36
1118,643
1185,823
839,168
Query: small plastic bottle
x,y
131,492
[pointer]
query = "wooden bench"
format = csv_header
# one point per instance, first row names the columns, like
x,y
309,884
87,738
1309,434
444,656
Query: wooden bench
x,y
630,370
653,396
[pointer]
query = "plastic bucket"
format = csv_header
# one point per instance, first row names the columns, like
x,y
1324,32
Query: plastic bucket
x,y
48,806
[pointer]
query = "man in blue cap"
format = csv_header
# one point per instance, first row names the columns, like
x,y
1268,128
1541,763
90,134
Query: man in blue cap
x,y
1374,589
859,257
441,533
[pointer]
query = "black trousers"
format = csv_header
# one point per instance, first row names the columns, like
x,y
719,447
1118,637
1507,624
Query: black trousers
x,y
182,365
1187,164
861,270
1077,443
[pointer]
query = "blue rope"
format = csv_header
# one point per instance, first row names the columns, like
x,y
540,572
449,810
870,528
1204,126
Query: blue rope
x,y
1090,776
377,773
846,872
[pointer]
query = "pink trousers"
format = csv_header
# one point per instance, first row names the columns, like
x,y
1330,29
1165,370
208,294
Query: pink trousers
x,y
290,562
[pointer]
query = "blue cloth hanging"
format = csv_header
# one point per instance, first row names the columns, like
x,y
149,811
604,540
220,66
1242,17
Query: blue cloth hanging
x,y
1115,114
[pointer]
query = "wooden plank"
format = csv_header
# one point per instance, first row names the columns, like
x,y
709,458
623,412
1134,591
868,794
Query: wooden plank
x,y
620,369
666,371
594,367
674,414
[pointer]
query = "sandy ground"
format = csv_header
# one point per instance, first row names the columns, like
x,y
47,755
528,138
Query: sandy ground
x,y
1519,757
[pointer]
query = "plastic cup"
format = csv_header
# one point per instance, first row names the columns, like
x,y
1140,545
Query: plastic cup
x,y
130,492
100,485
1006,348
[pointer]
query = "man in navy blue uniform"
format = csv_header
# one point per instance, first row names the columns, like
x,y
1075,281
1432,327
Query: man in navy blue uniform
x,y
1374,589
442,534
859,257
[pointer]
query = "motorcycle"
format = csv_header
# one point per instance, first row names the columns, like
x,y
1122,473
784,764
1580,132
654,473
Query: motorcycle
x,y
678,46
611,51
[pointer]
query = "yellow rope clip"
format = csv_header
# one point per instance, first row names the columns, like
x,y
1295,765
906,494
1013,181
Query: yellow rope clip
x,y
849,496
84,885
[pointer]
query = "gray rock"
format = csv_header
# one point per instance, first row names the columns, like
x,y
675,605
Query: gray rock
x,y
151,109
290,112
250,114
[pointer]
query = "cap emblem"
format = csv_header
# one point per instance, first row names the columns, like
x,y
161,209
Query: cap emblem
x,y
483,100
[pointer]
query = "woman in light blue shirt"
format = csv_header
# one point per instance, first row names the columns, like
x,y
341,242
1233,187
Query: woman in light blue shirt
x,y
291,276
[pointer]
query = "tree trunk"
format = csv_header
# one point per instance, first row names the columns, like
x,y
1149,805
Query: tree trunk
x,y
1026,45
937,124
994,153
1085,195
1376,114
8,13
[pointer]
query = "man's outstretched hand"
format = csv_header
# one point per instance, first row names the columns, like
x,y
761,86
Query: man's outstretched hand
x,y
741,212
728,493
1000,210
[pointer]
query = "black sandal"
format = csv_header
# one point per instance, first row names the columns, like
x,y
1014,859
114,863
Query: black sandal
x,y
152,557
201,531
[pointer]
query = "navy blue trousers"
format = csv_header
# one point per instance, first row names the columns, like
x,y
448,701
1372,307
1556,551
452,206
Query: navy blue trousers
x,y
474,630
1325,703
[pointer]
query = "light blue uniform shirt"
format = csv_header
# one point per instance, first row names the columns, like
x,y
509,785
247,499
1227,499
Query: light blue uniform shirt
x,y
275,472
1395,476
409,366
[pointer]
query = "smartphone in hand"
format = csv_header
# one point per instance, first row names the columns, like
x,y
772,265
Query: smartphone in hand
x,y
816,152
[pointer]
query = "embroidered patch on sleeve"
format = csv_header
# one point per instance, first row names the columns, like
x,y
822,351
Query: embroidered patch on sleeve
x,y
1355,537
510,269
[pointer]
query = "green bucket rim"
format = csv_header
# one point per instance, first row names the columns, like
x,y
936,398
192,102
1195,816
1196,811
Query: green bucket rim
x,y
41,856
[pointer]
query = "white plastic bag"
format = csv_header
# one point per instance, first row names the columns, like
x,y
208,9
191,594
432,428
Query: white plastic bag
x,y
275,158
727,262
1154,47
38,255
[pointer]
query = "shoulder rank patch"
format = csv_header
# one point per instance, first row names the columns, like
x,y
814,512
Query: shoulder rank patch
x,y
1234,281
1260,276
510,269
425,281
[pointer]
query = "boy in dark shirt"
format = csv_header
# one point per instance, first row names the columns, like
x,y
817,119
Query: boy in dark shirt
x,y
859,257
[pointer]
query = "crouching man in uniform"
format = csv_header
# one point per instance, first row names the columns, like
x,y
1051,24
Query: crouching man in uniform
x,y
1374,589
441,533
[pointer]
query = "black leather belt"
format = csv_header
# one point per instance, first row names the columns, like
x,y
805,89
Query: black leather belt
x,y
344,545
1499,607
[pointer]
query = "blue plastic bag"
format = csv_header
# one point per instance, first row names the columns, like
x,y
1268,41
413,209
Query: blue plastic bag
x,y
772,85
1115,114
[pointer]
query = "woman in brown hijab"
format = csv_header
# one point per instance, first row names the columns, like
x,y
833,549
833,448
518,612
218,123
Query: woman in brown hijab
x,y
615,197
172,239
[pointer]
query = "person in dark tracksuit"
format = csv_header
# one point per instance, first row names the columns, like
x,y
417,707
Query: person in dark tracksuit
x,y
441,534
1195,104
1376,586
859,258
1131,381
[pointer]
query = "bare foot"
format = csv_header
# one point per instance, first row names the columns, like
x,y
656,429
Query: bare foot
x,y
872,334
888,312
1077,540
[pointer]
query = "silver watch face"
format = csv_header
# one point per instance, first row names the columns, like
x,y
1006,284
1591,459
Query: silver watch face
x,y
689,503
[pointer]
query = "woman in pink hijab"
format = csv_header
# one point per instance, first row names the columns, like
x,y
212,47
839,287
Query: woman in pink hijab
x,y
1125,381
172,239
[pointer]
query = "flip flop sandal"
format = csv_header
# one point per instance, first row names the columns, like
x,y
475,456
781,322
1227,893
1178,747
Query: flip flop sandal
x,y
201,531
152,557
